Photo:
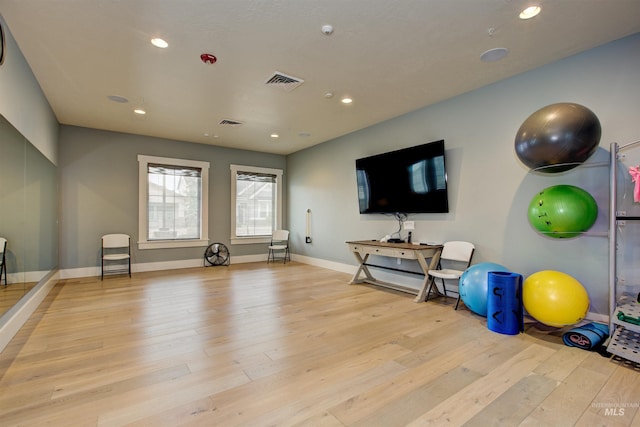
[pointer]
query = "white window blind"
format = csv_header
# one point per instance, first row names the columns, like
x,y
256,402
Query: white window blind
x,y
174,203
256,203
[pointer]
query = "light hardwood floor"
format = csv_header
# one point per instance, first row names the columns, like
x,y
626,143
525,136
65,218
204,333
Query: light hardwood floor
x,y
10,294
291,345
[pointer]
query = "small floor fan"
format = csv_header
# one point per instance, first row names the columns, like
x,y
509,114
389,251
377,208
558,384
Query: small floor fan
x,y
217,254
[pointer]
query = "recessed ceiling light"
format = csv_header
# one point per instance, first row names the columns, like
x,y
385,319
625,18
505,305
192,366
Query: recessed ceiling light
x,y
493,55
304,134
346,100
275,135
530,12
140,111
158,42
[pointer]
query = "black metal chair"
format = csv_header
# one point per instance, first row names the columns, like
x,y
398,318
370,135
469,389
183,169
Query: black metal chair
x,y
3,260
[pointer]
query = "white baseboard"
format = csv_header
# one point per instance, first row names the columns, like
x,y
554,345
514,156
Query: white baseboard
x,y
330,265
165,265
243,259
26,277
596,317
75,273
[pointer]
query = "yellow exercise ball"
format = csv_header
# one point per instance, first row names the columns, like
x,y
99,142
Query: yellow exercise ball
x,y
555,298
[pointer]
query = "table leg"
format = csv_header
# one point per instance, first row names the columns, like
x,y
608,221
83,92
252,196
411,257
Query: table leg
x,y
422,293
361,269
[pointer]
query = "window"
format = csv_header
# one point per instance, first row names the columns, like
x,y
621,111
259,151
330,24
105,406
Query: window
x,y
256,203
173,202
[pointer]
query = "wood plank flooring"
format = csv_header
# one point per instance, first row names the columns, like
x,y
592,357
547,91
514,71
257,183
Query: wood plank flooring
x,y
291,345
10,294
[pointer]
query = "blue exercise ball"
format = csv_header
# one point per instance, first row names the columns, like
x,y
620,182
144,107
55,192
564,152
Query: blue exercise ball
x,y
474,286
558,137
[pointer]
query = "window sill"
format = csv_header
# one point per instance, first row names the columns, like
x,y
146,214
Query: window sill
x,y
167,244
249,240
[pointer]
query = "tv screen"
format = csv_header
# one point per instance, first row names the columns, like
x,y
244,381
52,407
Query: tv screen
x,y
410,180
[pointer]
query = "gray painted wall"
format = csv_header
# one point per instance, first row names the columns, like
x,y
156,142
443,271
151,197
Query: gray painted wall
x,y
22,102
99,192
489,189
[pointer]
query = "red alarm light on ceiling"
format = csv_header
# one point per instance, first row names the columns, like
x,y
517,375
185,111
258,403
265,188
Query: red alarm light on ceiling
x,y
208,58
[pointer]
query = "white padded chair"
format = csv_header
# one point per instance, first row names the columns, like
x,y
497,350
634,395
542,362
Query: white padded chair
x,y
279,244
3,260
454,260
116,254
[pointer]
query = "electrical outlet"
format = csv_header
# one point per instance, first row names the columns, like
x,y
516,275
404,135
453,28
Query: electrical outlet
x,y
409,225
399,261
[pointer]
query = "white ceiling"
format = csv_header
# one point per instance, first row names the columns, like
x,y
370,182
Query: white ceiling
x,y
392,57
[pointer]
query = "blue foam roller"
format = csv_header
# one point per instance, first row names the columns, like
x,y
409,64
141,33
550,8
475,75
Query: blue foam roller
x,y
505,314
586,337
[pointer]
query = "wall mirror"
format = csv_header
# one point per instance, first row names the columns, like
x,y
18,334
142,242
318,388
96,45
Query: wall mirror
x,y
28,214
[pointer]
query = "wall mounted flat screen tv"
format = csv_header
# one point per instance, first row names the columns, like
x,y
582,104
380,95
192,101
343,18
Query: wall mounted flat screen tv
x,y
410,180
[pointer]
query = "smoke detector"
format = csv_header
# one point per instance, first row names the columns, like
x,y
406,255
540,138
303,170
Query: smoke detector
x,y
327,30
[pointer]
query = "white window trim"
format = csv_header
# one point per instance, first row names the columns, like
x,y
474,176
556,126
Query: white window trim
x,y
143,196
238,240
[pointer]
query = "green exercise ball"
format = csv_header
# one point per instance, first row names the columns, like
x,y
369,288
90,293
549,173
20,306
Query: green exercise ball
x,y
563,211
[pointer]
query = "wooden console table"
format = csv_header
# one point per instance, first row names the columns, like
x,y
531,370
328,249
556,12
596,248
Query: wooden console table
x,y
362,250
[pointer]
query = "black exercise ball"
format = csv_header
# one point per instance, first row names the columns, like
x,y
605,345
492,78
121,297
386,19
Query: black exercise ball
x,y
558,137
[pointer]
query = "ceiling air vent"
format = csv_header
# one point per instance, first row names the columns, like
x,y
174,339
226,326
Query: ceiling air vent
x,y
227,122
283,81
